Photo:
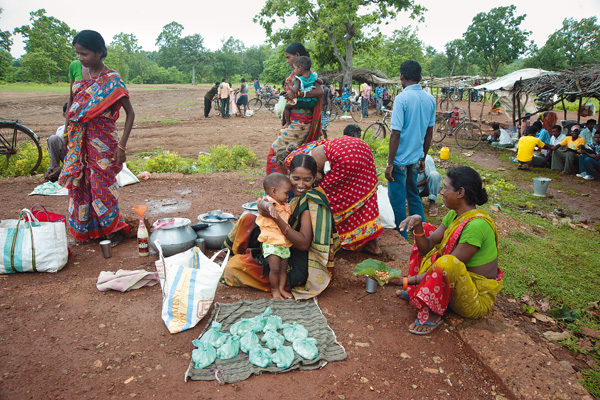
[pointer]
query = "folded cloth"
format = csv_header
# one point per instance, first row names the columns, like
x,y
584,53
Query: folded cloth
x,y
124,280
50,189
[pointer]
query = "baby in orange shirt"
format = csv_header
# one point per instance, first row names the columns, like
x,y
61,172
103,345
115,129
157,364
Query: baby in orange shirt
x,y
275,246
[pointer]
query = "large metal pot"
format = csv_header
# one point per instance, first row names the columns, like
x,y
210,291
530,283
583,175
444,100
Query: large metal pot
x,y
175,235
219,225
249,208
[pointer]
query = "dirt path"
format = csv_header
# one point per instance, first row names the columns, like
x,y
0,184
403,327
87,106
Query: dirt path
x,y
62,338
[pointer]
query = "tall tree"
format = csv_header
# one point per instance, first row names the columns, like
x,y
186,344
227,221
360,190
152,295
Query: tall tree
x,y
169,47
192,54
50,36
341,25
5,40
495,38
228,59
39,66
575,43
121,52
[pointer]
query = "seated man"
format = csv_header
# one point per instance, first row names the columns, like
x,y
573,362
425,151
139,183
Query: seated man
x,y
500,138
590,158
542,133
429,184
57,151
555,138
525,150
588,132
567,159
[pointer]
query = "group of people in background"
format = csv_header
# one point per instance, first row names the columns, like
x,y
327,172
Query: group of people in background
x,y
231,101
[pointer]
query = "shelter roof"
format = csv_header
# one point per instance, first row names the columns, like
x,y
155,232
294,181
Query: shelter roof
x,y
361,74
576,82
507,82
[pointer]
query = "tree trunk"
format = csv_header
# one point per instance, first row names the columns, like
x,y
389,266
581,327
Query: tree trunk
x,y
193,74
347,67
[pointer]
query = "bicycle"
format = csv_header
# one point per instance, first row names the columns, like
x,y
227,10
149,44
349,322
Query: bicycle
x,y
15,137
267,100
467,134
449,96
379,128
216,106
342,107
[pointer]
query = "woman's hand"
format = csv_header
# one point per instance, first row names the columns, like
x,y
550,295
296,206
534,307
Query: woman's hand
x,y
411,222
120,156
289,95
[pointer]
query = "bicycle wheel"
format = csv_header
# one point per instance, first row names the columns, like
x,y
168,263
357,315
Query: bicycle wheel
x,y
378,130
270,104
216,107
356,112
445,104
440,129
17,141
255,104
334,112
468,135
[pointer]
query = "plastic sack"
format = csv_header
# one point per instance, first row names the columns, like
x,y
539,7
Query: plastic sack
x,y
294,332
272,340
230,348
204,355
386,212
306,348
260,356
213,336
280,106
248,342
283,357
126,177
273,323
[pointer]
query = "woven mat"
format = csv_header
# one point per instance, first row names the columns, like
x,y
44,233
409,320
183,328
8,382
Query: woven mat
x,y
239,368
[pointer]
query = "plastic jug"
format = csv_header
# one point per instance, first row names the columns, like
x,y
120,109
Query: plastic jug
x,y
444,153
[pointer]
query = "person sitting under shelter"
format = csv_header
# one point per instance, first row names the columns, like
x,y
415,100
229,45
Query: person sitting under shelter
x,y
588,132
567,159
542,133
525,150
590,158
500,138
429,182
555,138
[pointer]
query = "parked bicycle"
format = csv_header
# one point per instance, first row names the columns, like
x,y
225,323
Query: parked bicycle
x,y
379,128
15,138
339,108
453,123
263,99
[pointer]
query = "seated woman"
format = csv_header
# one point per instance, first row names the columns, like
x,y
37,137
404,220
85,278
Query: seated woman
x,y
347,174
311,230
456,264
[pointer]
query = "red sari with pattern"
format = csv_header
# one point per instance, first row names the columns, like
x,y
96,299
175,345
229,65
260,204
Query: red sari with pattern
x,y
89,171
351,188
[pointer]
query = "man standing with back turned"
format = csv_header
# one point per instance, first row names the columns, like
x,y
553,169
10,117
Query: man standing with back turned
x,y
413,119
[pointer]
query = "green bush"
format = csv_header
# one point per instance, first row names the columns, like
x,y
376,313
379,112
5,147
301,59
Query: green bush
x,y
23,161
222,158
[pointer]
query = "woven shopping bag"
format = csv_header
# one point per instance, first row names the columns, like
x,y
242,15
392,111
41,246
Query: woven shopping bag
x,y
29,245
189,281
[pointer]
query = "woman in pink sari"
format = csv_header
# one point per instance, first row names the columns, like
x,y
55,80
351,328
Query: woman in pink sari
x,y
95,151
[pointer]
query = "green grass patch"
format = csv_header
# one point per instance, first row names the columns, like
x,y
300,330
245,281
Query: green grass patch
x,y
62,88
21,163
187,104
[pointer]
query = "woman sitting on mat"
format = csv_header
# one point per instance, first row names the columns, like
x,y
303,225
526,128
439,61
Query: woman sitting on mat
x,y
311,230
456,264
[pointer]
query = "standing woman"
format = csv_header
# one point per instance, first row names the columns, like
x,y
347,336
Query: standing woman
x,y
96,153
306,123
243,98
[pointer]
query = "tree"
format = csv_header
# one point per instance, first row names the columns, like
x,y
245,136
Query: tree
x,y
575,43
192,54
121,52
228,59
50,36
40,66
5,40
168,43
340,26
495,38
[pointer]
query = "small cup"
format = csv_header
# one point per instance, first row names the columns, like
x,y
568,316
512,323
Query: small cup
x,y
370,285
201,244
106,249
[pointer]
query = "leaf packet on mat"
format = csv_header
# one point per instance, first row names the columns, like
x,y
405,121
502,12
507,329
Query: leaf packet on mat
x,y
294,332
214,336
306,348
248,342
283,357
230,348
260,356
204,355
261,320
272,340
254,324
273,323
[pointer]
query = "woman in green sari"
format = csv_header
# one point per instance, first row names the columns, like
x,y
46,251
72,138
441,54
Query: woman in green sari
x,y
456,264
311,230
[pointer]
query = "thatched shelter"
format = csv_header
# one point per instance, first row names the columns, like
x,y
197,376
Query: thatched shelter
x,y
361,75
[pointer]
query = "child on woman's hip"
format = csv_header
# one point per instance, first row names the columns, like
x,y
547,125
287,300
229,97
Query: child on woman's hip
x,y
304,82
275,246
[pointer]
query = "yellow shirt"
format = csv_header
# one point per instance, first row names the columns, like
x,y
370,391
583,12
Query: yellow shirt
x,y
526,146
573,144
269,231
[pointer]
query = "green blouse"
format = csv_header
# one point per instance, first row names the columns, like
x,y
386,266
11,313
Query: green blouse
x,y
477,233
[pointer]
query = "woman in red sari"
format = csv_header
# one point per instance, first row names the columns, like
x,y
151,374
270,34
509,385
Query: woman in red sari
x,y
306,123
348,176
95,151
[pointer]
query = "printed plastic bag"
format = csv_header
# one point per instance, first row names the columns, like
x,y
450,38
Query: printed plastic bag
x,y
213,336
272,340
230,348
306,348
294,332
273,323
283,357
260,356
248,342
204,355
279,107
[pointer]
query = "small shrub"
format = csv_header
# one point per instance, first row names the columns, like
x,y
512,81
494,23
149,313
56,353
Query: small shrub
x,y
222,158
23,161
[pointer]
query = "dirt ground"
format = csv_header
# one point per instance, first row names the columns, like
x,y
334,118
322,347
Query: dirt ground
x,y
62,338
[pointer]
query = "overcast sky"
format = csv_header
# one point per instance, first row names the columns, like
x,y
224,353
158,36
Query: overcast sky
x,y
445,20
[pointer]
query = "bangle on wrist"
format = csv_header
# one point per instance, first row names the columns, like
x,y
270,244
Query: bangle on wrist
x,y
418,234
120,146
286,230
404,283
389,165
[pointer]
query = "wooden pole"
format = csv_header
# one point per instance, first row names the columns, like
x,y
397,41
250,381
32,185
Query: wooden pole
x,y
469,104
519,114
514,104
564,107
482,106
579,110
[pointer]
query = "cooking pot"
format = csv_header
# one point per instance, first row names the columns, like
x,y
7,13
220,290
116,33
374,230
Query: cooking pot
x,y
175,235
219,225
250,208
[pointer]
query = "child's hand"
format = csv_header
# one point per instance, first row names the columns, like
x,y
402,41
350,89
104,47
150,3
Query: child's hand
x,y
273,211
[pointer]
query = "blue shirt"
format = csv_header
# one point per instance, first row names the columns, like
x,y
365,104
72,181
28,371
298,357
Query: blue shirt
x,y
543,136
414,112
379,92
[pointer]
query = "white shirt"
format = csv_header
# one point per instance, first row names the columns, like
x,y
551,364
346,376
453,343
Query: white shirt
x,y
556,140
504,137
60,130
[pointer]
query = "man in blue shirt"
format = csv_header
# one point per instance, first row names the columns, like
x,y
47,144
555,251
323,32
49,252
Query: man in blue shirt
x,y
413,119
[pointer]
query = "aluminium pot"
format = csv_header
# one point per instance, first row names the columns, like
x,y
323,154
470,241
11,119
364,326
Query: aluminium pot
x,y
175,235
219,225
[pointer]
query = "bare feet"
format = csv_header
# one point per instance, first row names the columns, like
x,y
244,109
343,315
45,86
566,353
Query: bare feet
x,y
285,294
433,210
277,295
372,247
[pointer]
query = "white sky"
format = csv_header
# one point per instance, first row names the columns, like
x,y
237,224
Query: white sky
x,y
445,20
